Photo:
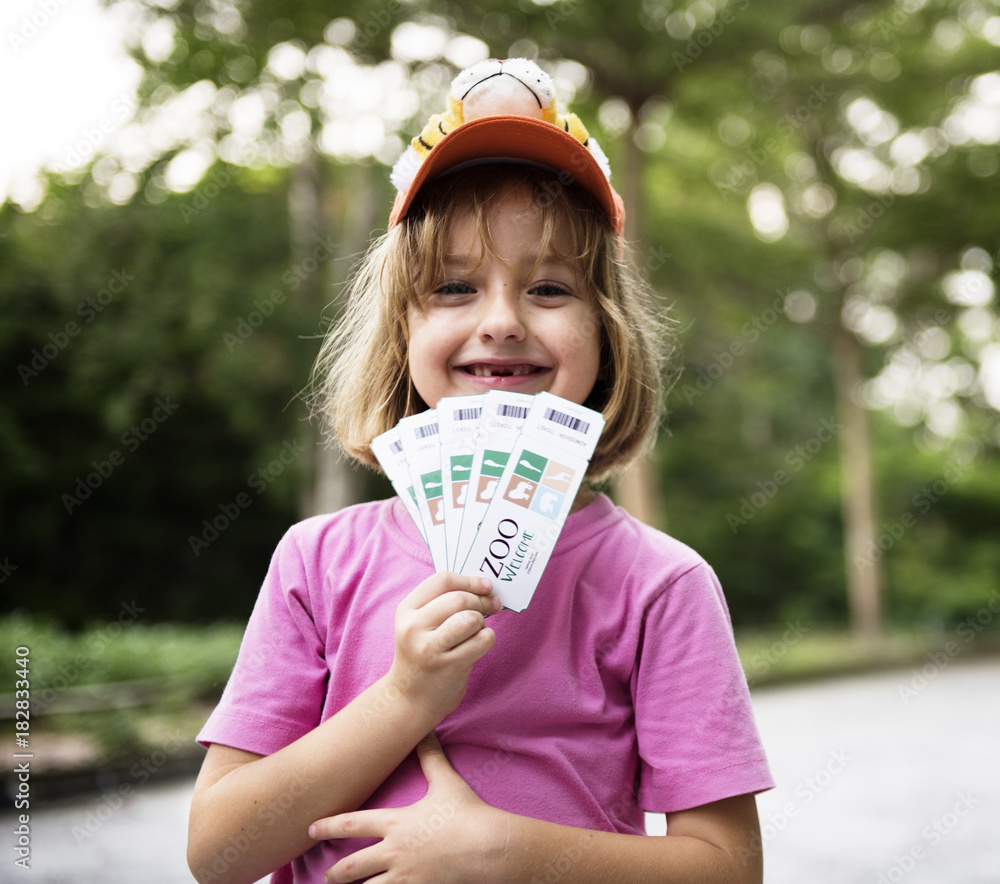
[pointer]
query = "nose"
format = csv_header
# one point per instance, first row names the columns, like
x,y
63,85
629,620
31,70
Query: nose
x,y
501,316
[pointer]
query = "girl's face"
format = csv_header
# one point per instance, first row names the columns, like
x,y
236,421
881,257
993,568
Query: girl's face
x,y
489,324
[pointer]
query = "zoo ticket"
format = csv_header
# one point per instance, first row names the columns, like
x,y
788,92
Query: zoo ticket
x,y
533,497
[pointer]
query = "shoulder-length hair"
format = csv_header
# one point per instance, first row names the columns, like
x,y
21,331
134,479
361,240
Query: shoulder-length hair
x,y
361,385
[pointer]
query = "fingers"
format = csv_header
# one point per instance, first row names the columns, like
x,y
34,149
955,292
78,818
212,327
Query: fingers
x,y
360,824
432,759
444,582
471,648
454,612
440,608
358,866
440,633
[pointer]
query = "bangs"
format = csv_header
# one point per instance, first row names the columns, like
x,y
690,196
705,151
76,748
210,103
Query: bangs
x,y
568,215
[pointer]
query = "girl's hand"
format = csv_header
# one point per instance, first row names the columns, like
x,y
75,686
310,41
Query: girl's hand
x,y
440,633
449,835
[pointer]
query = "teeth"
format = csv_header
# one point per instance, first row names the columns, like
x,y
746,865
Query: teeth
x,y
486,371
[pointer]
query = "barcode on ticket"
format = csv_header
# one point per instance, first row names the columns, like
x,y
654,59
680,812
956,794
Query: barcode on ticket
x,y
577,425
517,411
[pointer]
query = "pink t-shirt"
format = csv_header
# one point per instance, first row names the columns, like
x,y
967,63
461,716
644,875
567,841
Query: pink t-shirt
x,y
617,691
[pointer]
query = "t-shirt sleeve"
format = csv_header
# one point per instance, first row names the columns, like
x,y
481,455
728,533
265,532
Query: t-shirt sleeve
x,y
698,740
276,691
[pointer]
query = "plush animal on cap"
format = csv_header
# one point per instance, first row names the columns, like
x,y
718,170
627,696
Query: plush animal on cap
x,y
515,86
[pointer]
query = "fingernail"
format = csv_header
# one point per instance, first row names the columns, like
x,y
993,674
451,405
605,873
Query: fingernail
x,y
312,832
487,584
497,604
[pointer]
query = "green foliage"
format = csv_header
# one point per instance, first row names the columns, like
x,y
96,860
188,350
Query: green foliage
x,y
197,658
145,401
120,684
201,307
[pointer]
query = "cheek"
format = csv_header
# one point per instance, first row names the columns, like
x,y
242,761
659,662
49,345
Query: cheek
x,y
416,347
431,338
582,339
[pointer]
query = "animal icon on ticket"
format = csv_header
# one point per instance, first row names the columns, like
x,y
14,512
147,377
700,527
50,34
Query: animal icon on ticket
x,y
548,503
520,491
529,466
558,476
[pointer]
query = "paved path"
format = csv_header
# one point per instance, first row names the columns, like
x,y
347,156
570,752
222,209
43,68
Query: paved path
x,y
882,779
885,778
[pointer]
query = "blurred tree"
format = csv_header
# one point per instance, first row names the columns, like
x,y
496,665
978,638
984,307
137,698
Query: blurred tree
x,y
819,101
786,167
136,419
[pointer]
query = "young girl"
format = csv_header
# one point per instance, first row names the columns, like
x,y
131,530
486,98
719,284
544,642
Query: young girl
x,y
374,724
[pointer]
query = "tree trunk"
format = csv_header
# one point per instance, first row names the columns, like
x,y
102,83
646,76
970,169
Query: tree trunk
x,y
636,489
335,482
862,572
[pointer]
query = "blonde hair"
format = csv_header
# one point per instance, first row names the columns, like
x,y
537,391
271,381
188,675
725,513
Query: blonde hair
x,y
361,381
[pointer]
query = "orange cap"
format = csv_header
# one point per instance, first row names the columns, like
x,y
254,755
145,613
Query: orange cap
x,y
506,138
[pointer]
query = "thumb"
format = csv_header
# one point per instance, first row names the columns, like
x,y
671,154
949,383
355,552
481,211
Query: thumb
x,y
433,761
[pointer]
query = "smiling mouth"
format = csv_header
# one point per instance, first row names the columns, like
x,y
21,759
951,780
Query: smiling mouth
x,y
483,370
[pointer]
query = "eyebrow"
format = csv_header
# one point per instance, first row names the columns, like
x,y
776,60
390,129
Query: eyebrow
x,y
552,258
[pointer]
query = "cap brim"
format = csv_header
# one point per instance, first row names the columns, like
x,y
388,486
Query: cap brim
x,y
507,138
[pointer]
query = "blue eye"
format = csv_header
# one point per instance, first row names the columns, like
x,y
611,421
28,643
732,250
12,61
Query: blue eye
x,y
454,288
549,290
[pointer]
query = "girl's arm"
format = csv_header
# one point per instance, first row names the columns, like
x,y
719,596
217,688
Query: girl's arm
x,y
716,843
250,813
451,835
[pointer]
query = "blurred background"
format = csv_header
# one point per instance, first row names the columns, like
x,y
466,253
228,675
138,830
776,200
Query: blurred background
x,y
813,189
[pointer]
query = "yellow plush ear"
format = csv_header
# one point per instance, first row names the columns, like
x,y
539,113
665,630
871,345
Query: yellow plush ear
x,y
437,127
571,123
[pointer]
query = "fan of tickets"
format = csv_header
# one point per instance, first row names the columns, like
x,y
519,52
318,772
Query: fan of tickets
x,y
489,481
